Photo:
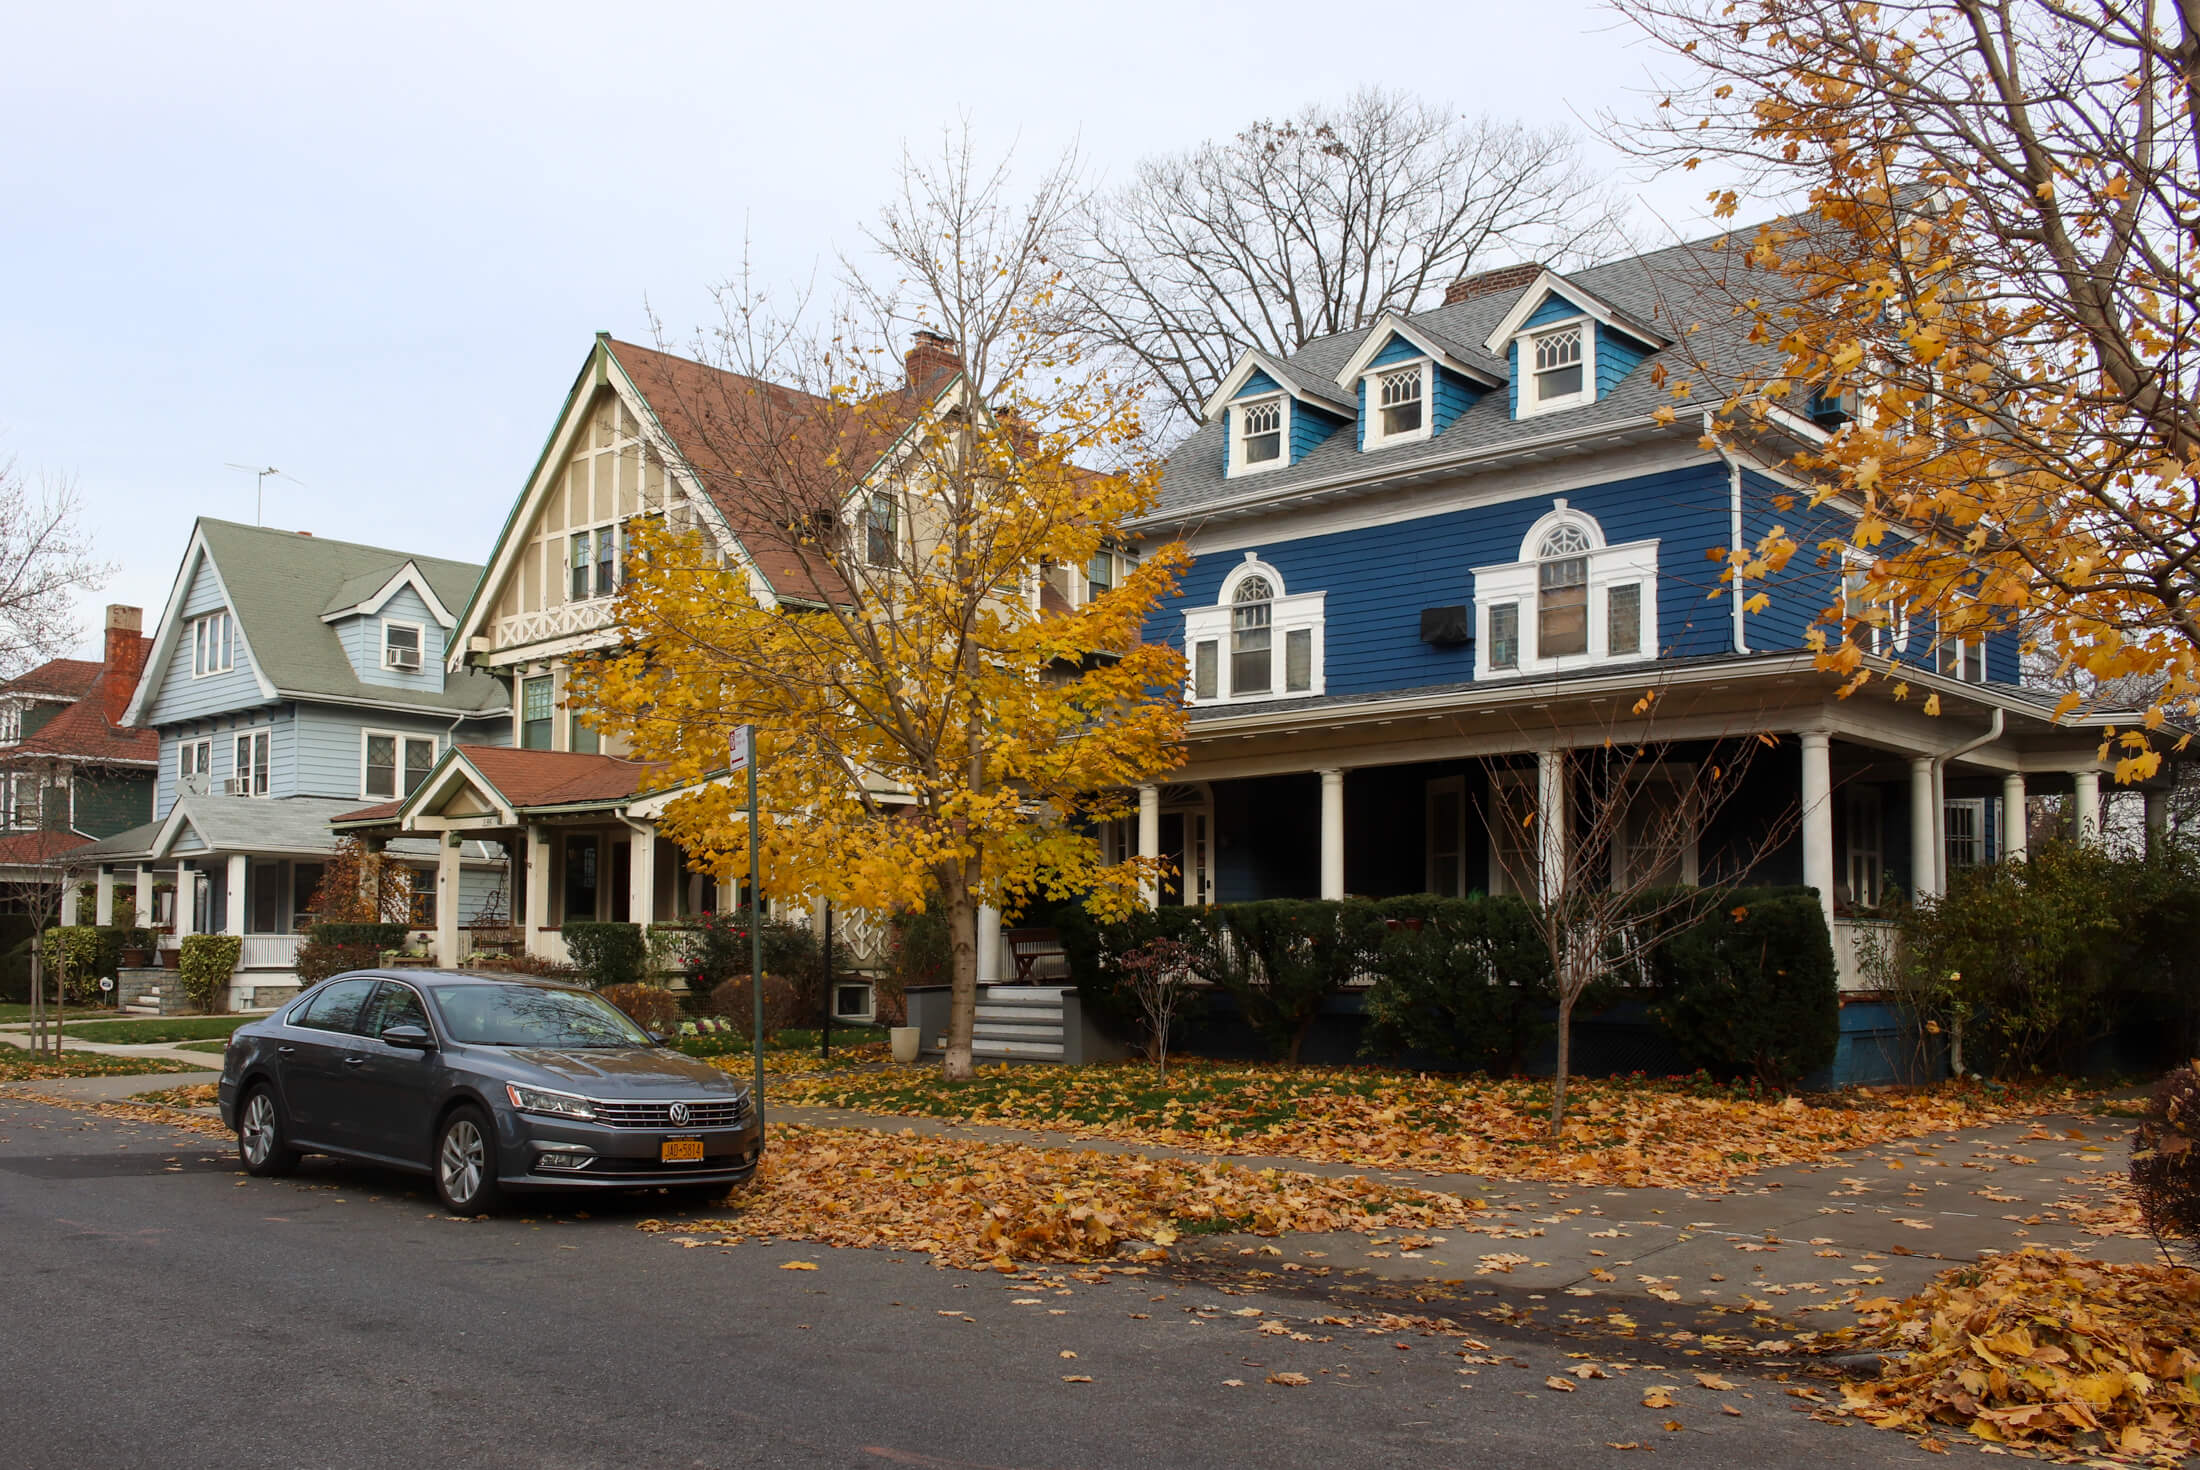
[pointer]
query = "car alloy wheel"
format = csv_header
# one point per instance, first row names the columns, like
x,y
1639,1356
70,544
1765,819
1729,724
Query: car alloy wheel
x,y
464,1160
256,1133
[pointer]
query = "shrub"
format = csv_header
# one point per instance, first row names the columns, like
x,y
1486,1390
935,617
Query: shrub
x,y
2165,1161
607,953
1751,988
1095,950
522,963
1465,982
206,963
784,1005
1281,959
652,1007
333,947
377,937
83,956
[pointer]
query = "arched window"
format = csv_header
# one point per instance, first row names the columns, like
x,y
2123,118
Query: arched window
x,y
1252,616
1562,592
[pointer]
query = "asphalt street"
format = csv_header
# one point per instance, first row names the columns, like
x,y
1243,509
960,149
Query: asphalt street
x,y
158,1309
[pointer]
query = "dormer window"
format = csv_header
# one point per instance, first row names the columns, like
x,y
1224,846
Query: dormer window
x,y
1558,368
1397,400
1401,403
401,646
1259,435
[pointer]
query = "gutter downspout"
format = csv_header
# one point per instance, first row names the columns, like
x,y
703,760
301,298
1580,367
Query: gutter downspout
x,y
1734,531
1940,854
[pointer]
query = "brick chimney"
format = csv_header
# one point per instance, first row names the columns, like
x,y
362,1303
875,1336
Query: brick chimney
x,y
930,360
124,661
1483,283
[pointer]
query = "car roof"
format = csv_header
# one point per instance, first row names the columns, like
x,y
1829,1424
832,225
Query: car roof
x,y
469,977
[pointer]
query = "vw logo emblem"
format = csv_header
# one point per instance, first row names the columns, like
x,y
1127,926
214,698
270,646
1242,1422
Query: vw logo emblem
x,y
678,1113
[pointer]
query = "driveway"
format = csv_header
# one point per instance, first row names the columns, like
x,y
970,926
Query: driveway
x,y
161,1310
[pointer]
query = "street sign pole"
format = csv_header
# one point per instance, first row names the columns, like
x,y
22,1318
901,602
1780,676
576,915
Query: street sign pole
x,y
825,1037
756,931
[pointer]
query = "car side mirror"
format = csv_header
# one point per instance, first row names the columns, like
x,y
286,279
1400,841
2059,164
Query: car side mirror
x,y
659,1038
411,1038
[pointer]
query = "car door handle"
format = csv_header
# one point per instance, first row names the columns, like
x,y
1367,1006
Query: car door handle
x,y
355,1061
286,1051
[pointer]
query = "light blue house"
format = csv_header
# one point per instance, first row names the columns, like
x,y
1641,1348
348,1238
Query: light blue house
x,y
1437,555
291,678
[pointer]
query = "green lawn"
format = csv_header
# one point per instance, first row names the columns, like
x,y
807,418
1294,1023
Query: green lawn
x,y
212,1046
18,1011
142,1029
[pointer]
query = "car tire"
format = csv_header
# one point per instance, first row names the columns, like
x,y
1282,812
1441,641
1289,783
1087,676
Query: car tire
x,y
697,1196
465,1163
263,1139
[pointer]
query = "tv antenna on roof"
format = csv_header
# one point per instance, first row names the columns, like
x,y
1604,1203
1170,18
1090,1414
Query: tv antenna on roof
x,y
259,490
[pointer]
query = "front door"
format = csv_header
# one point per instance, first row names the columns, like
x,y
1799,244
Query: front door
x,y
1187,841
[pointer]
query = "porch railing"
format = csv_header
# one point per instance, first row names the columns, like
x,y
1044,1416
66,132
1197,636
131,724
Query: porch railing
x,y
1861,950
270,952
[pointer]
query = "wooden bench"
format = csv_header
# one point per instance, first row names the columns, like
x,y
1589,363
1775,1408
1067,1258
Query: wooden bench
x,y
1026,947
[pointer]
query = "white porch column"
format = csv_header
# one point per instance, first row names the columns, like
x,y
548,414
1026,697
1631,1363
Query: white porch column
x,y
2156,799
989,945
1550,822
447,853
144,896
1332,872
538,890
187,898
1818,818
2085,805
2015,820
641,876
240,870
71,892
103,902
1924,830
1149,837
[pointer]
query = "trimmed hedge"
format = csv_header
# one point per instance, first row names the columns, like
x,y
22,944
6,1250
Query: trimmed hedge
x,y
379,936
332,948
206,962
1748,989
607,953
651,1007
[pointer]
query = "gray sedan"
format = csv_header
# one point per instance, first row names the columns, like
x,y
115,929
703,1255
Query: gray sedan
x,y
486,1083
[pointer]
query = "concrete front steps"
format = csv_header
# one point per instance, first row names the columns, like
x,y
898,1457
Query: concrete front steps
x,y
1019,1023
151,992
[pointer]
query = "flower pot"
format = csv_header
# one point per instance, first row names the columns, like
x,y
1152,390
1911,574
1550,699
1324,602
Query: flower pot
x,y
908,1041
133,959
170,958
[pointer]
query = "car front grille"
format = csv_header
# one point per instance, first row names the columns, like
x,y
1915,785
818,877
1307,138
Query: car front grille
x,y
716,1112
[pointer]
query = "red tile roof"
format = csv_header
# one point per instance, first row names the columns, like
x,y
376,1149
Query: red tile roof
x,y
19,848
87,729
62,678
532,779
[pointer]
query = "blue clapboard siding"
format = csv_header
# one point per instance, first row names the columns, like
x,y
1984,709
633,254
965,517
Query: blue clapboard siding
x,y
1397,349
1454,396
1258,384
1810,582
1379,578
1309,427
331,745
1617,355
183,697
1555,308
222,731
362,640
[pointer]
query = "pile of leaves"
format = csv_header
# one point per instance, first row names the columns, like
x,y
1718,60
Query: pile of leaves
x,y
191,1095
2043,1349
22,1066
990,1205
782,1063
1619,1131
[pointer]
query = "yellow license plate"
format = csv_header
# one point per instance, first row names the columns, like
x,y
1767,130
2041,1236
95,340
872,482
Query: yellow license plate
x,y
680,1151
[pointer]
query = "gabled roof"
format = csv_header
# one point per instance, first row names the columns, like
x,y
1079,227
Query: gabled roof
x,y
1490,373
34,849
369,592
56,678
1308,390
515,781
278,585
97,696
1656,296
1552,283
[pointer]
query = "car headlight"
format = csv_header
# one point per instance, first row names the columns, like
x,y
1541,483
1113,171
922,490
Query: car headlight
x,y
554,1104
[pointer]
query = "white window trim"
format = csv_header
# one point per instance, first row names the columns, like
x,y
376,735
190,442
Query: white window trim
x,y
1609,567
1878,642
1372,436
1289,612
1430,790
1238,463
193,627
1500,814
617,525
400,736
1524,367
250,733
1863,800
420,633
1681,776
1976,804
203,747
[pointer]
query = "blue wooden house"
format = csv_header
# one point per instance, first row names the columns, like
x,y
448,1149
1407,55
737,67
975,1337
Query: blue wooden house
x,y
290,678
1443,551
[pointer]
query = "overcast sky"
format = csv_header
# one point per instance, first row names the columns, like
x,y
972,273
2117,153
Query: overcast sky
x,y
370,245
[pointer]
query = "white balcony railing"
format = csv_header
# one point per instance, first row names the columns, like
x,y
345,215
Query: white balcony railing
x,y
270,952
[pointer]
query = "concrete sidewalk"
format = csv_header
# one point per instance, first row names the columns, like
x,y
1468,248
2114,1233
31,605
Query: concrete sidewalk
x,y
168,1051
1787,1247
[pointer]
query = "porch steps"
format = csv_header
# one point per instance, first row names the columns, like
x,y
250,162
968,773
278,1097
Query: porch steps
x,y
1019,1023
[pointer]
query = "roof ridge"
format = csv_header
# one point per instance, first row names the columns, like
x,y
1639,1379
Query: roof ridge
x,y
399,557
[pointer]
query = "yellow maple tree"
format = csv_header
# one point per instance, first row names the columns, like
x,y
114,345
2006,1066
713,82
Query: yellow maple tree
x,y
945,711
1994,278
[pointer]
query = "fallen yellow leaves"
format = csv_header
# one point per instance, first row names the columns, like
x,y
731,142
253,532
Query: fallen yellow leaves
x,y
980,1204
798,1265
1289,1380
1618,1131
2046,1349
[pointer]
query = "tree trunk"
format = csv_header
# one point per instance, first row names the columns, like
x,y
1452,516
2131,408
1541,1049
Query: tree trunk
x,y
962,1014
1565,1046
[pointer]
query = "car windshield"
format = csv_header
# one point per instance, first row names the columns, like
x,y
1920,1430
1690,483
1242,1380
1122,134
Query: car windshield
x,y
530,1015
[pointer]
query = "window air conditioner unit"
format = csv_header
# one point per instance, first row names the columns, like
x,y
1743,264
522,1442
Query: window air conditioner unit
x,y
404,658
237,786
1446,627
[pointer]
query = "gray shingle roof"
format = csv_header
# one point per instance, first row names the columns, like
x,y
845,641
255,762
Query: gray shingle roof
x,y
1669,289
279,584
295,825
